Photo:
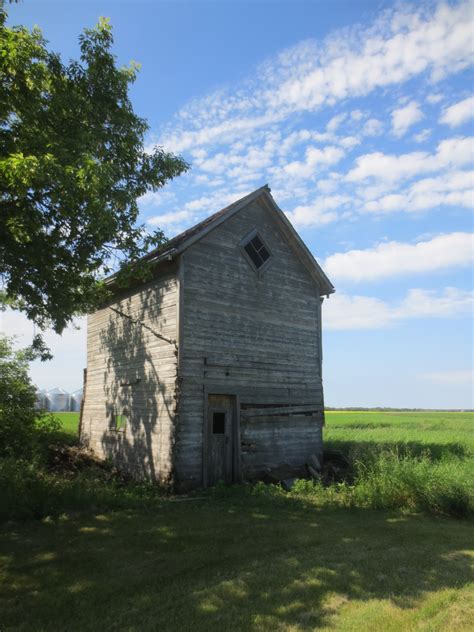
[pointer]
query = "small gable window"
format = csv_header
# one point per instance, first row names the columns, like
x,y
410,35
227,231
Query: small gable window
x,y
256,250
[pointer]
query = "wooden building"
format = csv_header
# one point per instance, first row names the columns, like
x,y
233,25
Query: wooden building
x,y
212,370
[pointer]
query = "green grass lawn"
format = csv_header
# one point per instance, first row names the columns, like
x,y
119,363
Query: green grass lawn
x,y
243,559
237,563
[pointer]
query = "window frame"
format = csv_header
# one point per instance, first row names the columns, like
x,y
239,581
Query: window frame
x,y
219,412
244,242
124,416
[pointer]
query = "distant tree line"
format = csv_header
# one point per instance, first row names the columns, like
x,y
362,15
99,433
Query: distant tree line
x,y
400,410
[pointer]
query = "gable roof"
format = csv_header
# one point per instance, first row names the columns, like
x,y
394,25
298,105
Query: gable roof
x,y
263,197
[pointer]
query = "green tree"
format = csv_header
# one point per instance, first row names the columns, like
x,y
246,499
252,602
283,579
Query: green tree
x,y
72,165
17,401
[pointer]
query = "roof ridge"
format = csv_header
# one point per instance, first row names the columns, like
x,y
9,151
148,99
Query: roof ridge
x,y
196,228
178,244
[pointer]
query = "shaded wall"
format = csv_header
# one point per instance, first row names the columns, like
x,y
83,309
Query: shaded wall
x,y
130,396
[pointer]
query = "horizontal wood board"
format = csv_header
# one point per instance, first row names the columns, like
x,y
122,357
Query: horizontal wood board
x,y
255,336
132,370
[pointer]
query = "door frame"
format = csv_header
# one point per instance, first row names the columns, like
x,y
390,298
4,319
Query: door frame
x,y
236,446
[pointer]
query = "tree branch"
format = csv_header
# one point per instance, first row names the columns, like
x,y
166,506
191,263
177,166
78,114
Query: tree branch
x,y
145,326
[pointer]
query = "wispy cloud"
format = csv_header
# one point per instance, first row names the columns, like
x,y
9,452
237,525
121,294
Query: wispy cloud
x,y
453,376
176,221
303,121
402,44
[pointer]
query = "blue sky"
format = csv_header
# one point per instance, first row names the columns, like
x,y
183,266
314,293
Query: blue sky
x,y
359,115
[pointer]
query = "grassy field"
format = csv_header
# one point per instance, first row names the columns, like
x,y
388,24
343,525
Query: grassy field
x,y
253,558
69,422
345,430
408,460
437,432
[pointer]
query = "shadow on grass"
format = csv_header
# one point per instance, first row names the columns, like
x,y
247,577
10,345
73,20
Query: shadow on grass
x,y
223,564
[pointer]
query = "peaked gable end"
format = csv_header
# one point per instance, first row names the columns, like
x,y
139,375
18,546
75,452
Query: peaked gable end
x,y
263,197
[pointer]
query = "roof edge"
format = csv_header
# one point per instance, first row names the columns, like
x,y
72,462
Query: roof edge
x,y
181,242
325,285
234,208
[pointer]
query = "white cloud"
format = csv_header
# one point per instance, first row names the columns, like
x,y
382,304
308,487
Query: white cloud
x,y
403,118
349,142
372,127
393,258
455,188
453,152
169,219
242,137
400,45
314,157
156,198
356,65
302,136
426,303
453,181
422,136
345,312
434,98
458,113
223,132
327,185
335,122
453,376
323,211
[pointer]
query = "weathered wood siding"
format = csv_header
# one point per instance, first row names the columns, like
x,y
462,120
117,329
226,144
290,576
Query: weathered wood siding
x,y
132,371
254,336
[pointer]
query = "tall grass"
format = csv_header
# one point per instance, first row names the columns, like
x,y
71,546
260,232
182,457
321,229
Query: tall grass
x,y
398,479
437,432
391,479
33,486
28,491
410,463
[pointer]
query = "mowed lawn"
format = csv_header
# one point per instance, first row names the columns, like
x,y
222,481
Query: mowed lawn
x,y
239,561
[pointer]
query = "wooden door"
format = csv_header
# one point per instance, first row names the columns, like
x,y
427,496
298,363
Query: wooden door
x,y
221,433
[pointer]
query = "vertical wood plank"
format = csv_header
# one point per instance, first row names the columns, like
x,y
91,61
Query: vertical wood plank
x,y
205,439
237,452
